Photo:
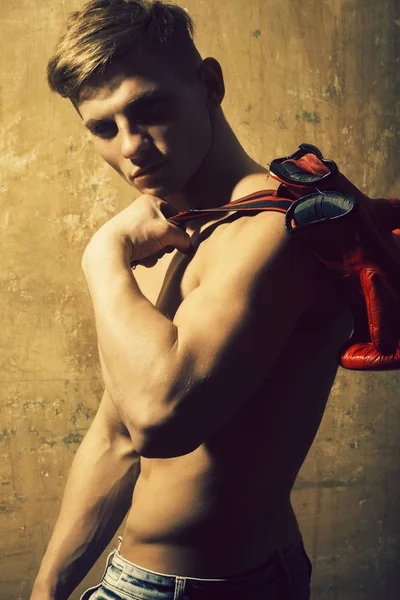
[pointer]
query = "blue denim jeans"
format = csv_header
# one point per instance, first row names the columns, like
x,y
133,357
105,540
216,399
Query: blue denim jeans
x,y
285,577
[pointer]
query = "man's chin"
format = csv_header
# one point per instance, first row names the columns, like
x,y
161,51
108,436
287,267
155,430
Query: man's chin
x,y
160,191
157,191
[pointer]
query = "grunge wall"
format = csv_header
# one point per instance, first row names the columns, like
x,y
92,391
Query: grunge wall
x,y
321,71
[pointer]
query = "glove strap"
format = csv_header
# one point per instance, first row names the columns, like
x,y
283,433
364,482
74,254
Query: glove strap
x,y
259,201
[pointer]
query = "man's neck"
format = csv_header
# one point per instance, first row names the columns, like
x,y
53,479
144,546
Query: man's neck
x,y
227,173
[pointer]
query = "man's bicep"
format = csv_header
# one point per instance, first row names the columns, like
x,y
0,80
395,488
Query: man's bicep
x,y
233,327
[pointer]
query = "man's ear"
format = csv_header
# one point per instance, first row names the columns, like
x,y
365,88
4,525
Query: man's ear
x,y
211,77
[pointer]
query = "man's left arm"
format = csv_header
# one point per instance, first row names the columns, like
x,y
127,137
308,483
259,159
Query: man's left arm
x,y
177,382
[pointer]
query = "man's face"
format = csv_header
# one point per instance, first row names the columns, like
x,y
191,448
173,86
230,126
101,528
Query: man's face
x,y
148,124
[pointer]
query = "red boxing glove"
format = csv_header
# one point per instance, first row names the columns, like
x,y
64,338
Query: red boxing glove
x,y
353,237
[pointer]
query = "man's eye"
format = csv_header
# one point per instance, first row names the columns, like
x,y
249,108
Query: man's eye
x,y
153,112
156,106
105,130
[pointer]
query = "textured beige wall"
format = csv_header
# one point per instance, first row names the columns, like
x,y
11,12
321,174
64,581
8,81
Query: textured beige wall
x,y
322,71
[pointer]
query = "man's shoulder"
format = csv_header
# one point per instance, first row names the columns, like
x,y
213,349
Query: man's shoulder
x,y
240,233
252,244
257,250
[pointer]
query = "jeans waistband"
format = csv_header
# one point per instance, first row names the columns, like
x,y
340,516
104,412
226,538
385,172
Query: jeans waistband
x,y
277,564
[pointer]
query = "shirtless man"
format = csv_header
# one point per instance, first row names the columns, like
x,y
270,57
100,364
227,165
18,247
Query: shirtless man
x,y
218,351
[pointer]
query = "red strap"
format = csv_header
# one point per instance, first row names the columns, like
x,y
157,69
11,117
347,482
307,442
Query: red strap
x,y
258,201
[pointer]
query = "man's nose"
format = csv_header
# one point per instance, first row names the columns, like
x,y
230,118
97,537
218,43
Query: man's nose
x,y
134,143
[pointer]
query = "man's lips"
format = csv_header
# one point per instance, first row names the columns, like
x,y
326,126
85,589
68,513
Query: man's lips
x,y
145,172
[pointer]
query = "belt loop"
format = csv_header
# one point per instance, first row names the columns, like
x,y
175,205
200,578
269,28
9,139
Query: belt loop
x,y
111,556
180,584
108,563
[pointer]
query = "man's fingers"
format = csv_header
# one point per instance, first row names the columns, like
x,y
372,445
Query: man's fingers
x,y
177,238
150,261
168,210
176,234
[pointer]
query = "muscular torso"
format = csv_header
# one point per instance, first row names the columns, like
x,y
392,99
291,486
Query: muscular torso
x,y
225,508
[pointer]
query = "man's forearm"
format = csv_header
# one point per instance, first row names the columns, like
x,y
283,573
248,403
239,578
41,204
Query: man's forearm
x,y
137,343
97,497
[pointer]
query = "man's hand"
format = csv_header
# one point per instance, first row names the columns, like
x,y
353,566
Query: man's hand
x,y
143,232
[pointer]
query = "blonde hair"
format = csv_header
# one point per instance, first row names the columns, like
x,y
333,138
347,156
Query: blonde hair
x,y
106,30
